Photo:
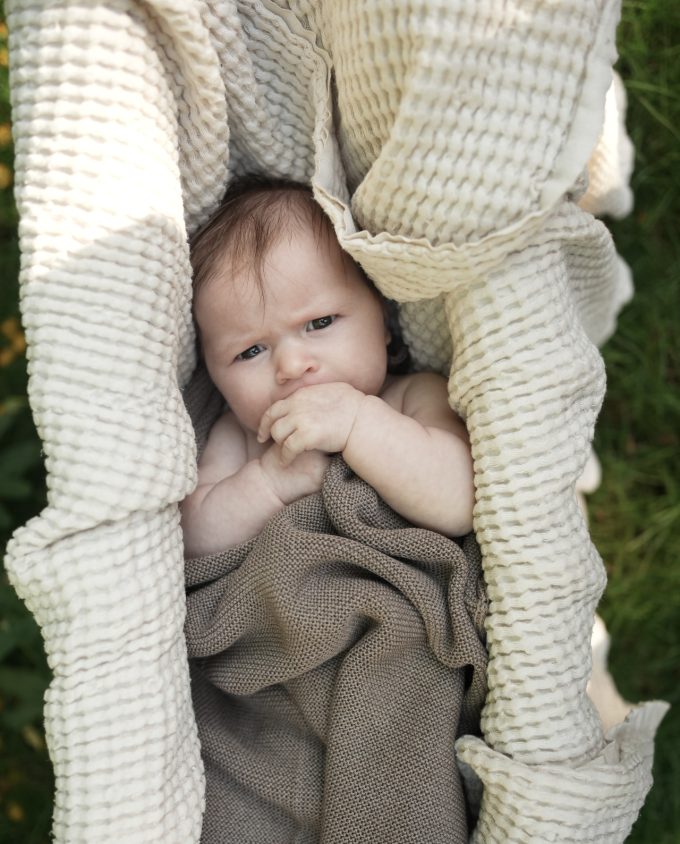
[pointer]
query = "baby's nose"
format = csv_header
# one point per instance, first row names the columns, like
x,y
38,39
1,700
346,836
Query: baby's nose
x,y
293,361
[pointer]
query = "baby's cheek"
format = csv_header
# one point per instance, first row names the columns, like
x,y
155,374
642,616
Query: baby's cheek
x,y
250,413
372,375
245,401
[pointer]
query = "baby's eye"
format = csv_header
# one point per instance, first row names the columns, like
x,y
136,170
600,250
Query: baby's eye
x,y
320,322
250,353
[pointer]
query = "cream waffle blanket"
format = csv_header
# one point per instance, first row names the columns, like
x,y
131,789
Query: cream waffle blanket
x,y
448,142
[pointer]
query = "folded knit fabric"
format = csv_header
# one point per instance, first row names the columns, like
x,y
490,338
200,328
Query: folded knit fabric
x,y
335,660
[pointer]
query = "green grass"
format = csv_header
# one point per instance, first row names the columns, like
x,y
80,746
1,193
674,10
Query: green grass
x,y
635,516
26,781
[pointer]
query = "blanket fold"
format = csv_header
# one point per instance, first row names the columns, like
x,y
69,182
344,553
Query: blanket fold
x,y
335,659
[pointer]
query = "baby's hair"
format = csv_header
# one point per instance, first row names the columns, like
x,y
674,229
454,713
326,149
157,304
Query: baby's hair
x,y
254,213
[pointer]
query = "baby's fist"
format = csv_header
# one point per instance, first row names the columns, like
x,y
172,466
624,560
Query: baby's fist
x,y
320,416
302,476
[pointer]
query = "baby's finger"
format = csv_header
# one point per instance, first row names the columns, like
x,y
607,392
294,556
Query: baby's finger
x,y
281,429
273,412
291,448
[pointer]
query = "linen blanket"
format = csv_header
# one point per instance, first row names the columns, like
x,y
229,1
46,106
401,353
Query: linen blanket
x,y
335,659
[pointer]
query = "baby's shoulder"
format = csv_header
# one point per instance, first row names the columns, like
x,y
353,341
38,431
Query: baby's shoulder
x,y
408,393
226,449
226,428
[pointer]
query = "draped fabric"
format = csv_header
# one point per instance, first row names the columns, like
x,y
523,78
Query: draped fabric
x,y
335,659
448,143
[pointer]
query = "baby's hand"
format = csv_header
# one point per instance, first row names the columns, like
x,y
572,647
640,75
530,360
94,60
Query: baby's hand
x,y
317,417
302,476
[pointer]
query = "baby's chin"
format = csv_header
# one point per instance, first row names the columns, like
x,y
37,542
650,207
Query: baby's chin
x,y
248,425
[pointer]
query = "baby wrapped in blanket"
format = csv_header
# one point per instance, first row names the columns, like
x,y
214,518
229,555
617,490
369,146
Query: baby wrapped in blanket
x,y
334,624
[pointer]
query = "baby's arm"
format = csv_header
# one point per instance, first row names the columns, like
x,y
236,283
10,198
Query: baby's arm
x,y
416,454
235,496
418,460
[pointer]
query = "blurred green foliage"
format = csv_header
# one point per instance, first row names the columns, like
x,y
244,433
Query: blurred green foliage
x,y
635,516
26,781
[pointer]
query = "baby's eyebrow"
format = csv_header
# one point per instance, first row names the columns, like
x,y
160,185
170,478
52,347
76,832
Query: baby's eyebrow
x,y
237,343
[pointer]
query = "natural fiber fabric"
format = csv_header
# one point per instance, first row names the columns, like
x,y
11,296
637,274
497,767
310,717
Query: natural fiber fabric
x,y
527,803
611,164
331,655
106,308
448,142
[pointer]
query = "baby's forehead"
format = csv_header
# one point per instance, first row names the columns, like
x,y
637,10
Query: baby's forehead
x,y
228,294
315,259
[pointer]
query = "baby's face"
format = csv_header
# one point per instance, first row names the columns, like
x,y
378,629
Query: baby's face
x,y
315,321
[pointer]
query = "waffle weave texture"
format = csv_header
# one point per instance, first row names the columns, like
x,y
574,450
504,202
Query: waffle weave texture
x,y
448,142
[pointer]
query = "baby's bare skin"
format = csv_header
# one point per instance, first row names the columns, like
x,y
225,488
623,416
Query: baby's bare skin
x,y
303,366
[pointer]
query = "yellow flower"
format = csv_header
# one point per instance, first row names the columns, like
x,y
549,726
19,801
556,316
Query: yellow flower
x,y
6,357
15,812
11,328
5,176
5,134
17,342
4,57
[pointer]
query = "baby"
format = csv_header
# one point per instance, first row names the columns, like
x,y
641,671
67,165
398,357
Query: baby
x,y
294,337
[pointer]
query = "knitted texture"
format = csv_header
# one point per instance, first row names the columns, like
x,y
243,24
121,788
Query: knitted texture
x,y
346,645
447,141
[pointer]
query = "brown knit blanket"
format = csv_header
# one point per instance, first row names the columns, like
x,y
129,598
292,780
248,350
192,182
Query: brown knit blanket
x,y
335,659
